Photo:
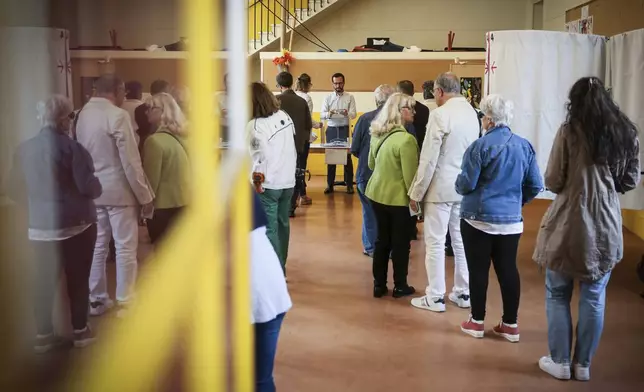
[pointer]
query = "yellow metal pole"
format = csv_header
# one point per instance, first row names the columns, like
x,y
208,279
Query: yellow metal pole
x,y
238,96
207,355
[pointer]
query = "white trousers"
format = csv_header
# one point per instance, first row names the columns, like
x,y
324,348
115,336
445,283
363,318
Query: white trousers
x,y
121,223
438,218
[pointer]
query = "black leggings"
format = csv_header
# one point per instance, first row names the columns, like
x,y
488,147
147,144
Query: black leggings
x,y
482,248
162,220
74,255
393,238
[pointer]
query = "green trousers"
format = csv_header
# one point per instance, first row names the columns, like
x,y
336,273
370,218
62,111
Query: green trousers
x,y
277,204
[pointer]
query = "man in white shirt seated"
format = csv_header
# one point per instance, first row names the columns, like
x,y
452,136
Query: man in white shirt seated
x,y
105,130
338,109
450,131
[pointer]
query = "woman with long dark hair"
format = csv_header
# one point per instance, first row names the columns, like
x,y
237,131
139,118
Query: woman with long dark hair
x,y
594,157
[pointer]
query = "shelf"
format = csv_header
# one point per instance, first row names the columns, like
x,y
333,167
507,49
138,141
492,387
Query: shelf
x,y
135,55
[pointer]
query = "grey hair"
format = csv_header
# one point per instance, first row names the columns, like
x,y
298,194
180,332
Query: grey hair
x,y
448,82
52,109
382,93
498,109
389,116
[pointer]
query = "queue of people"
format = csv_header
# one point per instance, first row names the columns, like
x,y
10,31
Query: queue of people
x,y
87,186
473,186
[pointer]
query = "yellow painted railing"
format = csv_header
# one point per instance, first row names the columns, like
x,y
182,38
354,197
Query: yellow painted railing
x,y
183,291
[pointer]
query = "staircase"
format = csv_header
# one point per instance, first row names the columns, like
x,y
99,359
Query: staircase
x,y
264,24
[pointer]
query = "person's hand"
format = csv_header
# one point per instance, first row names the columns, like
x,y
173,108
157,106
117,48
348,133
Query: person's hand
x,y
414,205
321,125
147,210
333,111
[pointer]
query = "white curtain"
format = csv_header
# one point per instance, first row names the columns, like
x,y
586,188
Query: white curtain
x,y
35,64
536,69
625,75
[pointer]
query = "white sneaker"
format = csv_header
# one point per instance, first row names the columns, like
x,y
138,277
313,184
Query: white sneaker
x,y
461,300
99,308
581,373
556,370
426,303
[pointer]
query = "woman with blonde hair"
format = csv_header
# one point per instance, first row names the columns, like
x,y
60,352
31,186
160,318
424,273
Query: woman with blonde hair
x,y
393,157
166,163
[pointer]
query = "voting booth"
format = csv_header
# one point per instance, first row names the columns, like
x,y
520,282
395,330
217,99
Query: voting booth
x,y
536,69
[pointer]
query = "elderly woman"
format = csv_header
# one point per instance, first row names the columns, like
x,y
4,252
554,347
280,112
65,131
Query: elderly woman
x,y
302,88
594,157
393,157
54,176
166,163
271,143
499,175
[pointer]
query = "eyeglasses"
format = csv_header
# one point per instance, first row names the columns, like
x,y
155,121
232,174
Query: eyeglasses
x,y
408,108
71,115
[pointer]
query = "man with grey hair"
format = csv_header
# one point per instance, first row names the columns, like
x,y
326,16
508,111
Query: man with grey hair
x,y
450,131
105,130
360,149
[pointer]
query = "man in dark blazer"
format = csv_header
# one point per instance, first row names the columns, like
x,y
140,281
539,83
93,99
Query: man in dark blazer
x,y
421,117
298,110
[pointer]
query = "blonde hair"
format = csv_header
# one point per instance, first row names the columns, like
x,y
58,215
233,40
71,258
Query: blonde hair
x,y
172,117
389,116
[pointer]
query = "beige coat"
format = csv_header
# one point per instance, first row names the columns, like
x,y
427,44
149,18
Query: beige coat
x,y
581,233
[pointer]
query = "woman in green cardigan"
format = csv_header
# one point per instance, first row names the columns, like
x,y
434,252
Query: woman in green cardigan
x,y
166,163
393,157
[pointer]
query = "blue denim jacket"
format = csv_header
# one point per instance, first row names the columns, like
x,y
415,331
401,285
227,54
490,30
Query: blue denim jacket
x,y
498,176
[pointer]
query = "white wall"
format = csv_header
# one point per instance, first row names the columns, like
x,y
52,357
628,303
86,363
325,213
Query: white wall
x,y
423,23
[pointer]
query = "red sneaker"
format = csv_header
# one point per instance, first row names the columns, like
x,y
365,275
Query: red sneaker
x,y
509,332
473,328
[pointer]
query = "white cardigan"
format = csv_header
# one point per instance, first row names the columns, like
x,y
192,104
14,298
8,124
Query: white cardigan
x,y
271,142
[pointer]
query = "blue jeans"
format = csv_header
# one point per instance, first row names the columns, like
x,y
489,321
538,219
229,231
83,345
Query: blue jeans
x,y
592,302
369,227
266,335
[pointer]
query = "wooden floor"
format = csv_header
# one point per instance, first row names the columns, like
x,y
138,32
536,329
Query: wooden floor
x,y
339,338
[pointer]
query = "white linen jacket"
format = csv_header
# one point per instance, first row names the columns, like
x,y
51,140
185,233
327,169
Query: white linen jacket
x,y
450,131
105,130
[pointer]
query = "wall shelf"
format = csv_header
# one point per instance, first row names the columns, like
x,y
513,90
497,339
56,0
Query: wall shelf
x,y
135,55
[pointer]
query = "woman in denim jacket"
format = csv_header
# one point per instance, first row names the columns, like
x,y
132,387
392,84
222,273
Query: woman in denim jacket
x,y
499,175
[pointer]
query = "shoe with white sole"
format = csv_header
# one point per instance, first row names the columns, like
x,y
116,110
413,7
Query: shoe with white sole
x,y
509,332
461,300
582,373
427,303
84,337
556,370
99,308
473,328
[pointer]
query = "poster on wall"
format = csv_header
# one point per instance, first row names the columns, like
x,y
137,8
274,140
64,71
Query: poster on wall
x,y
472,90
586,25
572,27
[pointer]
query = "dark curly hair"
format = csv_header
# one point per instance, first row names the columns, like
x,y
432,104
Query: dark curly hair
x,y
610,134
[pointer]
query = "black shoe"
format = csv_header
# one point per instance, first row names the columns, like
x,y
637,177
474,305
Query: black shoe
x,y
404,291
350,190
328,190
380,291
449,252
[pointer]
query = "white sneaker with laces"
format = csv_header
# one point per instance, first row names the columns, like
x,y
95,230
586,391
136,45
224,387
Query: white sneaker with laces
x,y
556,370
99,308
432,304
582,373
461,300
